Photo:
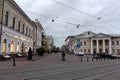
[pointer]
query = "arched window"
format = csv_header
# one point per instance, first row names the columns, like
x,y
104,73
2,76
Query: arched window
x,y
6,18
4,45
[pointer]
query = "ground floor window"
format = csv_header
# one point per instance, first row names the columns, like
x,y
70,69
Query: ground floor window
x,y
4,45
18,47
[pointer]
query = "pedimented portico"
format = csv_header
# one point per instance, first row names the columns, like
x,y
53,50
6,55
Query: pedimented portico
x,y
101,43
96,43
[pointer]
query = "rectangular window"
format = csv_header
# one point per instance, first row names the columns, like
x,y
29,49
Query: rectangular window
x,y
85,50
19,26
13,27
6,19
23,28
94,43
3,47
100,42
112,42
117,42
84,43
106,42
27,31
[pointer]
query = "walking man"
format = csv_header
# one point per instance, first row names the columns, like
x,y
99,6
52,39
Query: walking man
x,y
63,55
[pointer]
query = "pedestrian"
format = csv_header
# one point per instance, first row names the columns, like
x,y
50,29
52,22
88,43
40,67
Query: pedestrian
x,y
63,55
29,57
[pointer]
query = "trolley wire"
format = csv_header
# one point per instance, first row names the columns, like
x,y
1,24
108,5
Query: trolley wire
x,y
97,18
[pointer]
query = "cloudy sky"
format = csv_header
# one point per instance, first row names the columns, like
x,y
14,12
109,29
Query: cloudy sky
x,y
92,15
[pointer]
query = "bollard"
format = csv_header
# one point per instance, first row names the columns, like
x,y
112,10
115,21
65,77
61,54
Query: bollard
x,y
81,59
14,62
87,58
101,59
104,58
92,58
97,59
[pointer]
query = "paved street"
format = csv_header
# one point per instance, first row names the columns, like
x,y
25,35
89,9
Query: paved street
x,y
50,67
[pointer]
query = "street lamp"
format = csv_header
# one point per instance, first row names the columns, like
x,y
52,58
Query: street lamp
x,y
99,17
78,25
52,20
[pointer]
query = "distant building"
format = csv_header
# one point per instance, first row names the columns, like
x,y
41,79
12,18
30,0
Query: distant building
x,y
69,42
95,43
37,38
48,42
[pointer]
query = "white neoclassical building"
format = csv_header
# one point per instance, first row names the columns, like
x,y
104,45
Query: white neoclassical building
x,y
94,43
16,28
37,39
101,43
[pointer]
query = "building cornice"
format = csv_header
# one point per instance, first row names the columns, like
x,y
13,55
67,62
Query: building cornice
x,y
20,11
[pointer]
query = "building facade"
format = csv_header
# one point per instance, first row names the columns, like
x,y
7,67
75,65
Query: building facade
x,y
16,28
96,43
70,43
37,38
48,42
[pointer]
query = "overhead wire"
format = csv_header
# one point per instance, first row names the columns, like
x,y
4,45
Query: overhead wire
x,y
99,18
51,18
82,26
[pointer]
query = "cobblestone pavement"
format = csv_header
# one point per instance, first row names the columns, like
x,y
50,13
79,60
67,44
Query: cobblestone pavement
x,y
50,67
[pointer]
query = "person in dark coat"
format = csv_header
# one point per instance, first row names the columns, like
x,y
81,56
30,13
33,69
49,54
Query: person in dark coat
x,y
63,55
29,57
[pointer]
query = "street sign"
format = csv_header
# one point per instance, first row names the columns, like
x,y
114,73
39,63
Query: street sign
x,y
78,45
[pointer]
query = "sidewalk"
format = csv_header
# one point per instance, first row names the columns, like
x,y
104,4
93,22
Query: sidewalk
x,y
20,62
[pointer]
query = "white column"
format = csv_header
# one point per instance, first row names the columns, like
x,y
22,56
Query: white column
x,y
7,47
91,46
103,46
110,47
97,46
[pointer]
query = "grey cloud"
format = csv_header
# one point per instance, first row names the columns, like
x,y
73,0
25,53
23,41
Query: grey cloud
x,y
108,10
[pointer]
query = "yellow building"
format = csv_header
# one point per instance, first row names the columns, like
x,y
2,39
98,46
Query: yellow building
x,y
94,43
16,28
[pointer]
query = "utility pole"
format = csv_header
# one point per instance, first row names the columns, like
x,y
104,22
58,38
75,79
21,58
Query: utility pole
x,y
1,21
